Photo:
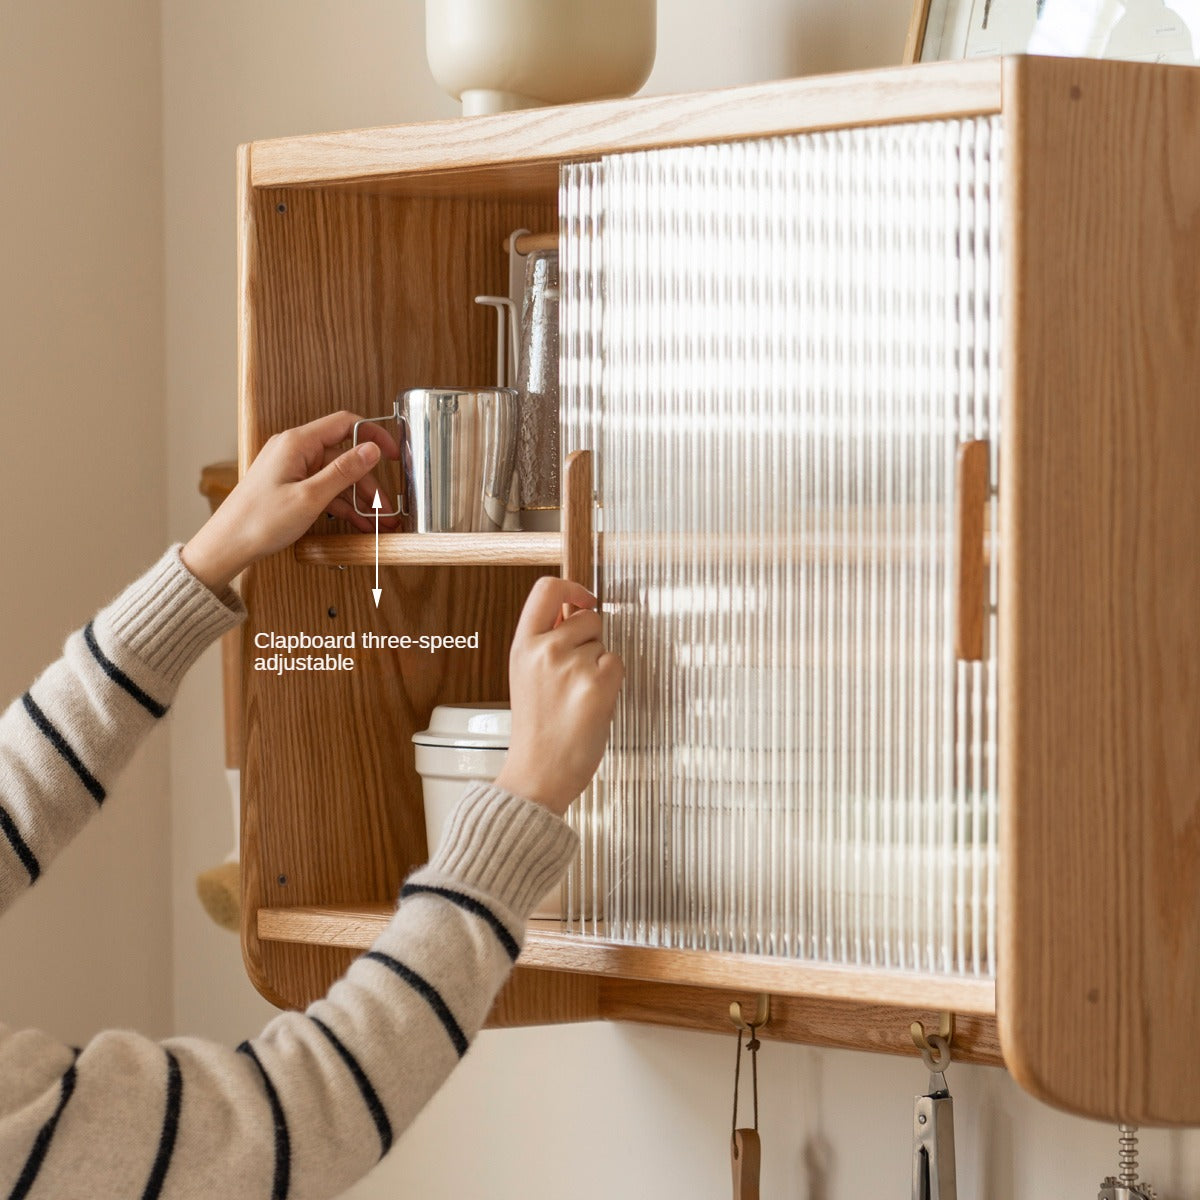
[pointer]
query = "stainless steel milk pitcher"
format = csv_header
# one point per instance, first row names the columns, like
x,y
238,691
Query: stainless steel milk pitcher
x,y
458,458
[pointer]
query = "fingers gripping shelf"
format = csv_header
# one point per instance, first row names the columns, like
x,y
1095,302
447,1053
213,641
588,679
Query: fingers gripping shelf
x,y
517,549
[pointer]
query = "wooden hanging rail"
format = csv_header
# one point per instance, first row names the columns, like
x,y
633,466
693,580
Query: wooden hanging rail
x,y
528,243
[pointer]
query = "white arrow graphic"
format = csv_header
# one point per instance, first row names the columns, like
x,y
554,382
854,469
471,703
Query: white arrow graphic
x,y
377,591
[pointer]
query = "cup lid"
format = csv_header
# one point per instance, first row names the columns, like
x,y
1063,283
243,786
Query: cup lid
x,y
484,726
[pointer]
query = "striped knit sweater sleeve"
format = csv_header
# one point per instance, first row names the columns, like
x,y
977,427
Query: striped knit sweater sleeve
x,y
311,1104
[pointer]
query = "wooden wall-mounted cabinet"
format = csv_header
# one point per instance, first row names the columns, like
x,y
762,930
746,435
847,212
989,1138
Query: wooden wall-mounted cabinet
x,y
360,256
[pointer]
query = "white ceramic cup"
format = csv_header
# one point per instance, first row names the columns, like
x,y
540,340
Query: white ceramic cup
x,y
496,55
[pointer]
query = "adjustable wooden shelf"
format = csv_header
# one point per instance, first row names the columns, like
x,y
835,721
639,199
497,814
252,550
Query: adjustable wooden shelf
x,y
360,255
432,549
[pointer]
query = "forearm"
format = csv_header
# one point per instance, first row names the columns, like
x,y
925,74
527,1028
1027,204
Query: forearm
x,y
314,1101
407,1011
66,739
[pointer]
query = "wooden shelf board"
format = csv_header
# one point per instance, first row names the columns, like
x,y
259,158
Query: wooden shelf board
x,y
432,549
549,948
545,549
467,155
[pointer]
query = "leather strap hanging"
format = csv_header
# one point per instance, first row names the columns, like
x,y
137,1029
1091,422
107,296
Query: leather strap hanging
x,y
745,1147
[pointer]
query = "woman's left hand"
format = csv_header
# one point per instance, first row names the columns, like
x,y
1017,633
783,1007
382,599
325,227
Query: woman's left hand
x,y
298,475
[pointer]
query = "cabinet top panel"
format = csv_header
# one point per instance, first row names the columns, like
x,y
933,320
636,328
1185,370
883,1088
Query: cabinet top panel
x,y
521,151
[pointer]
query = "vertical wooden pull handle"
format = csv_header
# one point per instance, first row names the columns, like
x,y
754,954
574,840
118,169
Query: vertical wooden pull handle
x,y
971,495
231,690
577,555
216,482
746,1161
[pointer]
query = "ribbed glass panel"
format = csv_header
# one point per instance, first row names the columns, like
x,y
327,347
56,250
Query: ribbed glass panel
x,y
775,349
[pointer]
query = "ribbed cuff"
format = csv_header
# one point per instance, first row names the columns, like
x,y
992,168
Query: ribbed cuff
x,y
505,846
168,618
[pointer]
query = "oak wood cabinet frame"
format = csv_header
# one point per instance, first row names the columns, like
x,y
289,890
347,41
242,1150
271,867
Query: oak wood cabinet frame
x,y
359,256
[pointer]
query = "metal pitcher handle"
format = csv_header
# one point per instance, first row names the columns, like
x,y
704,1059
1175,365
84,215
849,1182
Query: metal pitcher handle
x,y
401,509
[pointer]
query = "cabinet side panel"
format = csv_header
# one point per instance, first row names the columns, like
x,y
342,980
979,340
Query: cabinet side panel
x,y
349,300
1099,981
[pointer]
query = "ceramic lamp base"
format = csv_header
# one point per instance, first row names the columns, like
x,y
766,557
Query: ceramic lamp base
x,y
496,55
479,102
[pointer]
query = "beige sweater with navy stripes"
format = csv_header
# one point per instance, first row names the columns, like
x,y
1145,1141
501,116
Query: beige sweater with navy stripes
x,y
317,1098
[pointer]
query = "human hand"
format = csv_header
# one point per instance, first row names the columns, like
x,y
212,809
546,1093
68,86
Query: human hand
x,y
297,475
564,688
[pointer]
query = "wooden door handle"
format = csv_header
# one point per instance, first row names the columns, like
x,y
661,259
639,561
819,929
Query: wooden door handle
x,y
578,559
216,482
970,562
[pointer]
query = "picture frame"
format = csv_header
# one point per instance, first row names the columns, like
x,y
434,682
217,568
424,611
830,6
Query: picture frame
x,y
1164,31
914,43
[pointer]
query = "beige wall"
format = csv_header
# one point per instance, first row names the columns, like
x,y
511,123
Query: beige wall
x,y
83,481
589,1112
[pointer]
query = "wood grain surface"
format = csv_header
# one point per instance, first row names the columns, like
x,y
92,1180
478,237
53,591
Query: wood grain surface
x,y
578,545
549,947
347,300
217,480
546,549
970,558
355,290
529,243
519,151
813,1004
532,997
1099,990
432,549
809,1020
